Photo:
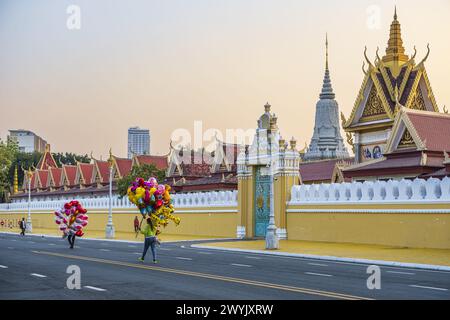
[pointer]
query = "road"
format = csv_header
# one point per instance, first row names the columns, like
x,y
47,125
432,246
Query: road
x,y
35,268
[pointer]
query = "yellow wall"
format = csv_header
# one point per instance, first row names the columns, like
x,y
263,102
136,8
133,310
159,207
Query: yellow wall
x,y
417,230
198,222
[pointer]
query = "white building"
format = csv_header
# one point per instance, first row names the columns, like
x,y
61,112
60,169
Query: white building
x,y
138,141
28,141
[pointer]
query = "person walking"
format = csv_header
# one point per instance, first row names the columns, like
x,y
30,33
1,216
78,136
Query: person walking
x,y
136,224
23,226
71,238
150,241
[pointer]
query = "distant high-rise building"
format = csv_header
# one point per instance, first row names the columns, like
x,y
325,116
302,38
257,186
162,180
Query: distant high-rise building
x,y
138,141
28,141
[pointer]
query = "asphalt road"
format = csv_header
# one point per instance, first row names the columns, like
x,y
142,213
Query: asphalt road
x,y
35,268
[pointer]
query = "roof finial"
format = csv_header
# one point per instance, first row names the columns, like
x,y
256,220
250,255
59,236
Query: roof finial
x,y
395,13
326,45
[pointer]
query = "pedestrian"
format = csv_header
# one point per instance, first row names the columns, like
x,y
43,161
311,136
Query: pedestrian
x,y
149,232
71,238
136,224
23,226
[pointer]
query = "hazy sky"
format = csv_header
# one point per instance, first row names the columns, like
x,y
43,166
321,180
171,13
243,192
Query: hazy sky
x,y
162,64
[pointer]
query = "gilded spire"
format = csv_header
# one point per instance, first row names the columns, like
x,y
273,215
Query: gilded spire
x,y
16,181
327,89
395,52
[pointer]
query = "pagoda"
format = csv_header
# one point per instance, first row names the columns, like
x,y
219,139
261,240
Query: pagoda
x,y
390,83
326,142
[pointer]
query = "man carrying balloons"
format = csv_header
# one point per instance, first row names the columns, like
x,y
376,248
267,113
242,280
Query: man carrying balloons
x,y
149,233
154,202
72,218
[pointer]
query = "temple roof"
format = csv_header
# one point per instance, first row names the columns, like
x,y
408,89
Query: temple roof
x,y
87,171
123,166
55,176
316,171
159,162
47,160
390,83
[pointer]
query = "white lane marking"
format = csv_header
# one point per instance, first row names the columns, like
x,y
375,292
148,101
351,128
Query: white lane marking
x,y
202,252
13,240
38,275
31,242
131,246
10,248
105,250
241,265
424,287
136,253
182,247
317,264
183,258
250,257
52,244
400,272
318,274
94,288
3,267
163,249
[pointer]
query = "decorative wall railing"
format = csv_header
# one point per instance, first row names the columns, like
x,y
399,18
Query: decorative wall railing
x,y
417,190
182,200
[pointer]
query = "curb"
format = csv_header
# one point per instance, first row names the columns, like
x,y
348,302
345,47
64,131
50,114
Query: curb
x,y
333,258
111,240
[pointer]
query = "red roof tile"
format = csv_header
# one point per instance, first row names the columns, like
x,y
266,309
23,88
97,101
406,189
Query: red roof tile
x,y
43,176
103,170
46,161
55,174
159,161
87,170
433,128
123,165
318,170
70,174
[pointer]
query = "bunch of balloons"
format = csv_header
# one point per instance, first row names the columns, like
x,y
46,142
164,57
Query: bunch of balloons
x,y
72,218
153,200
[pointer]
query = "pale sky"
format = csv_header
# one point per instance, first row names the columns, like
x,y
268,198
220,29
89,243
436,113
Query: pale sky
x,y
163,64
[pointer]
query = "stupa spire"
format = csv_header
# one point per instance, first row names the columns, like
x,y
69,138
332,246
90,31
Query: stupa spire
x,y
327,89
395,52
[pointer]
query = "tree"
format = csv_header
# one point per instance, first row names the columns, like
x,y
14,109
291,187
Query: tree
x,y
24,160
70,158
144,171
8,152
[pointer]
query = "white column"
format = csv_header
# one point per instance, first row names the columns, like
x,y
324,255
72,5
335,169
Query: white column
x,y
29,226
272,242
110,232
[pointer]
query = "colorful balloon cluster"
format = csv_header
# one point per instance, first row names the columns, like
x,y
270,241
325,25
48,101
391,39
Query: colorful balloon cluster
x,y
153,200
72,218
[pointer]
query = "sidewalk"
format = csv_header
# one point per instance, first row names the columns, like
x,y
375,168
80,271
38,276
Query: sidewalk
x,y
126,236
412,257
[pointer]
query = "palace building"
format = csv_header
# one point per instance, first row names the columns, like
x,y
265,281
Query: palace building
x,y
397,127
390,83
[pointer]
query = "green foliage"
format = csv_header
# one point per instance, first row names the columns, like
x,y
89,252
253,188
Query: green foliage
x,y
8,153
23,160
70,158
144,171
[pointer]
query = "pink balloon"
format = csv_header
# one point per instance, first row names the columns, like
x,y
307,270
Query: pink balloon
x,y
84,223
58,222
62,228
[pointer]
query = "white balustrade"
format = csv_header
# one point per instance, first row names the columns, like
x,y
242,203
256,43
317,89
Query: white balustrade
x,y
195,199
418,190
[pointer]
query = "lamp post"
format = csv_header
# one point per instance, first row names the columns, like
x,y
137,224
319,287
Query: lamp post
x,y
110,226
29,225
272,242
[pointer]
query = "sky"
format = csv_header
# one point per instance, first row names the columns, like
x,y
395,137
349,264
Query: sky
x,y
165,64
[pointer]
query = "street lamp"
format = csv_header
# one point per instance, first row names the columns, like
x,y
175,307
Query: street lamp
x,y
29,225
272,242
110,226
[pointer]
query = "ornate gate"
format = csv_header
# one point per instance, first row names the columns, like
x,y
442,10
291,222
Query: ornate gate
x,y
262,201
